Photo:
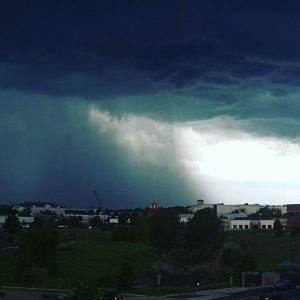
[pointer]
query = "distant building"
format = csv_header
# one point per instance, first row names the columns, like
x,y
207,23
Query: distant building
x,y
293,217
85,215
154,205
240,224
199,206
153,209
113,221
39,207
26,220
232,224
234,210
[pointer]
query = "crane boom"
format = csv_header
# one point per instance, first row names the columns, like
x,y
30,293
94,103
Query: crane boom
x,y
97,198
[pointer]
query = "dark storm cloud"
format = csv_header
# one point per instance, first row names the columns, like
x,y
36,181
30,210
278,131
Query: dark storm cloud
x,y
118,48
172,61
53,152
178,43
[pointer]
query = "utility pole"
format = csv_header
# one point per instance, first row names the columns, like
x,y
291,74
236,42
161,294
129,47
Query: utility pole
x,y
292,251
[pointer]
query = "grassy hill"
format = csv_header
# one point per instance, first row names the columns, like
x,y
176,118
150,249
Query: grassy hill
x,y
268,250
92,255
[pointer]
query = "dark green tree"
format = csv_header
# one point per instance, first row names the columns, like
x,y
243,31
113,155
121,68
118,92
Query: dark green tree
x,y
44,221
231,253
6,210
204,229
12,224
266,213
74,222
37,249
163,229
96,222
278,228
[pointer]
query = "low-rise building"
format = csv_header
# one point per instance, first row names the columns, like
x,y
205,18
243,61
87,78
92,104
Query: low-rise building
x,y
266,224
240,224
22,220
86,218
234,210
236,224
39,207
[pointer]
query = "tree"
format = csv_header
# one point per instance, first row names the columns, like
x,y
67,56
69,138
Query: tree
x,y
237,259
278,228
266,213
45,221
204,229
74,221
37,249
163,229
96,222
6,210
12,224
231,254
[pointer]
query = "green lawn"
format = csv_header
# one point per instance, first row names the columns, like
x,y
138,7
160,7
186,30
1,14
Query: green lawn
x,y
101,260
92,255
268,250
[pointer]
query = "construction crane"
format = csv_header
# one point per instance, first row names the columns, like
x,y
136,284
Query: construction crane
x,y
98,200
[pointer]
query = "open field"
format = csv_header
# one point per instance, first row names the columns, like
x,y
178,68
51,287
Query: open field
x,y
91,256
101,260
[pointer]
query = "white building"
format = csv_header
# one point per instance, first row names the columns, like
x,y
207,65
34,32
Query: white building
x,y
266,224
231,224
113,221
240,210
240,224
26,220
39,207
86,218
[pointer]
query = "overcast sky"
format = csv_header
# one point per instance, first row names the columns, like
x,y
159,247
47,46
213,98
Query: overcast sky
x,y
144,101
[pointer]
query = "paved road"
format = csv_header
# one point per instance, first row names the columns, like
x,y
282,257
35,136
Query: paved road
x,y
251,294
235,293
23,296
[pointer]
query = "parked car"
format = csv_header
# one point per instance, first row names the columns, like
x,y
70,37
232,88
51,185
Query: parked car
x,y
284,284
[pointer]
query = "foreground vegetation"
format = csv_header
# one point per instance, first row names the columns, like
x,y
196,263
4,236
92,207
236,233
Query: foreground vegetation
x,y
267,249
193,257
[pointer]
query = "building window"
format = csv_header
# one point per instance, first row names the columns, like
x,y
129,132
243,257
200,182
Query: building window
x,y
291,214
269,226
246,226
240,226
263,226
234,227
